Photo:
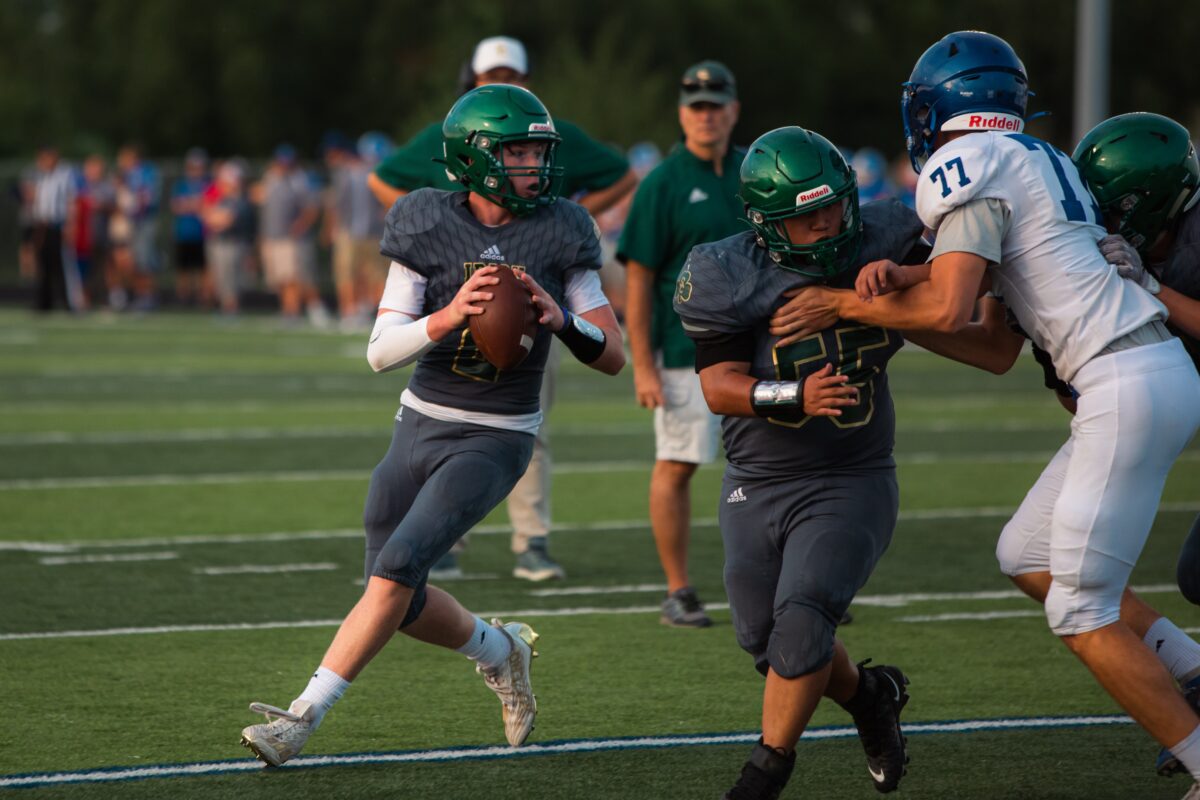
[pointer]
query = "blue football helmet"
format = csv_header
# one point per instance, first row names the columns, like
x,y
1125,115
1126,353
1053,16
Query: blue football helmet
x,y
969,80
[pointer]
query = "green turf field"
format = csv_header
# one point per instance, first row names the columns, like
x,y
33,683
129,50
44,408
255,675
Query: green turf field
x,y
152,469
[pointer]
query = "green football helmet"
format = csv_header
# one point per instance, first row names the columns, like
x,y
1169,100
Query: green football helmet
x,y
791,171
475,132
1143,171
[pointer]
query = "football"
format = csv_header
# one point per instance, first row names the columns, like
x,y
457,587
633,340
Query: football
x,y
505,331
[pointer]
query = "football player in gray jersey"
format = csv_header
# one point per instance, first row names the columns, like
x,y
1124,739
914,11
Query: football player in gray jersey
x,y
810,497
465,430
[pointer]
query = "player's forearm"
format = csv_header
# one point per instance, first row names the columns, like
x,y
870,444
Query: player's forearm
x,y
1185,312
612,360
601,200
639,306
727,389
943,303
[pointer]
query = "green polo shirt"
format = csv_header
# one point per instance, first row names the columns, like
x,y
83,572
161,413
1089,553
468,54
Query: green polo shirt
x,y
587,164
680,204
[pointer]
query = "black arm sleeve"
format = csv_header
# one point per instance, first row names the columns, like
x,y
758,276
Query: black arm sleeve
x,y
724,347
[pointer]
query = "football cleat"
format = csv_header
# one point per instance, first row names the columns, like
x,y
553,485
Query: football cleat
x,y
683,609
535,564
510,682
283,735
1167,764
763,776
1193,793
879,725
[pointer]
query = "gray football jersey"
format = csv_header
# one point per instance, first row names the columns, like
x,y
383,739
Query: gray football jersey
x,y
434,233
1181,271
732,286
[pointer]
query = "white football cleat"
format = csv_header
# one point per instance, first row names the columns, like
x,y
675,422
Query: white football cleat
x,y
510,682
283,735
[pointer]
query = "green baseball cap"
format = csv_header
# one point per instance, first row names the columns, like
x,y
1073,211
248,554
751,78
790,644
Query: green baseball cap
x,y
707,82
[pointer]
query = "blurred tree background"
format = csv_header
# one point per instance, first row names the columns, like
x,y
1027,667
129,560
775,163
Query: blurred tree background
x,y
239,77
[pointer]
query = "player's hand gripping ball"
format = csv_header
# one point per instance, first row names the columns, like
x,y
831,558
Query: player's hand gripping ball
x,y
505,331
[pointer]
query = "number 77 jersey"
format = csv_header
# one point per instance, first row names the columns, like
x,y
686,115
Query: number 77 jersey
x,y
1070,301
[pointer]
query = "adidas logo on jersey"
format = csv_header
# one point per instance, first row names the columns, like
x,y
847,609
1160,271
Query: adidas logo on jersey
x,y
697,196
736,496
492,254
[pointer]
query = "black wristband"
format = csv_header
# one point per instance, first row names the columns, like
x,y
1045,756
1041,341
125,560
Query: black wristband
x,y
783,399
585,341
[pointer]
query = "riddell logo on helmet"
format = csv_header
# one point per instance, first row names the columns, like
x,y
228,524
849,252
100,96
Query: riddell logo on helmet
x,y
813,194
993,123
541,127
985,122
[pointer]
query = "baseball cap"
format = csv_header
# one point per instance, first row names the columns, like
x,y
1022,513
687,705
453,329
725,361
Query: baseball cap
x,y
499,51
707,82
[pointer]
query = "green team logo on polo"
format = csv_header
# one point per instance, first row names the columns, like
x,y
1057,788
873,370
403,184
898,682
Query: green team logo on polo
x,y
792,171
1143,171
475,132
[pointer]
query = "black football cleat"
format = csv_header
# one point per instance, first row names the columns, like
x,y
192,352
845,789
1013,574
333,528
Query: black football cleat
x,y
876,710
763,776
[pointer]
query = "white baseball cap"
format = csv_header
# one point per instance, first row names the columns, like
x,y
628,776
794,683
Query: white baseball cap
x,y
499,51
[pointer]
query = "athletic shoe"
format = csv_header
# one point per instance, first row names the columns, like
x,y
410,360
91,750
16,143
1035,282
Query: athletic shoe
x,y
763,776
535,564
683,609
283,735
879,725
510,682
446,568
1167,764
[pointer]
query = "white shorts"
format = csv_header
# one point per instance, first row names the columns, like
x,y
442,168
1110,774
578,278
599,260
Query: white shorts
x,y
1086,519
684,429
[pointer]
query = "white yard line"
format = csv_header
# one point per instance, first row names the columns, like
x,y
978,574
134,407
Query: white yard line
x,y
567,468
569,429
884,600
266,569
497,529
119,774
105,558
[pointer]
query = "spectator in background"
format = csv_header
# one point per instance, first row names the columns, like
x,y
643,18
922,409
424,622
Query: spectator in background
x,y
353,225
229,223
871,169
143,180
53,199
187,195
23,194
94,200
290,207
905,180
689,199
121,272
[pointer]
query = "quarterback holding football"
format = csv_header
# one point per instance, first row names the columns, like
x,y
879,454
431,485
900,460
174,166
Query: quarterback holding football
x,y
465,429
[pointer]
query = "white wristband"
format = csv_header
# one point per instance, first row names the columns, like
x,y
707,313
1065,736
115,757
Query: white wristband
x,y
398,341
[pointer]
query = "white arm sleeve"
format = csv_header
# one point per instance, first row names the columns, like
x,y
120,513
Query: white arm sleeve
x,y
399,338
583,292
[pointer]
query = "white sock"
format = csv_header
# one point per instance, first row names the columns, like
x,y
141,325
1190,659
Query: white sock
x,y
1178,652
325,688
1188,753
487,645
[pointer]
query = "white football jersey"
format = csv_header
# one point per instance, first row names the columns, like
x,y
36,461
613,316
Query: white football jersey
x,y
1069,300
